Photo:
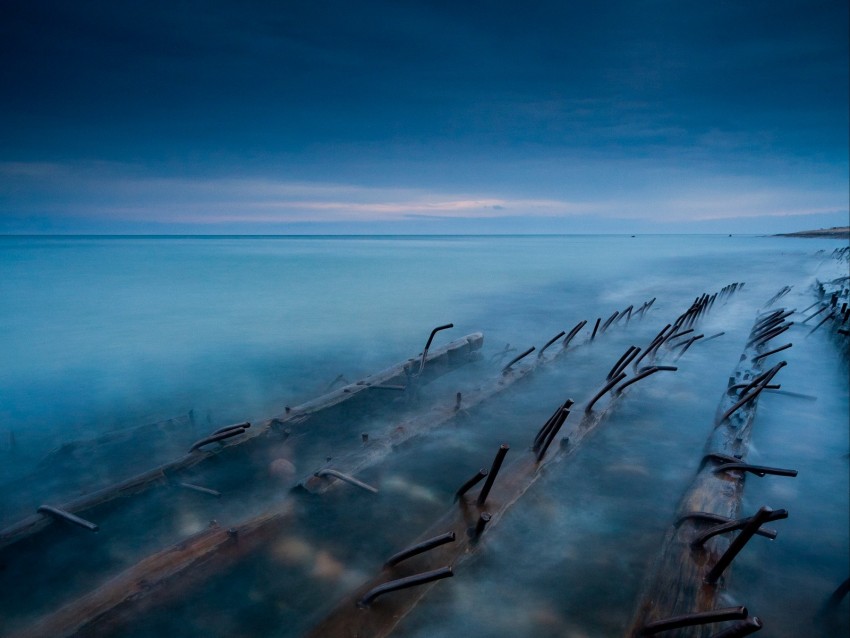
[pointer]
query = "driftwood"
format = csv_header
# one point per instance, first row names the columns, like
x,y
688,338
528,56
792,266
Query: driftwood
x,y
688,578
439,360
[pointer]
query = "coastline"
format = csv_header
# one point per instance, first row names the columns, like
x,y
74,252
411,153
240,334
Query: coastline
x,y
836,232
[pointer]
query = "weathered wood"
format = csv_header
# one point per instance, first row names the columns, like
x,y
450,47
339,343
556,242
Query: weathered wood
x,y
107,607
677,583
161,576
378,447
375,448
440,360
348,619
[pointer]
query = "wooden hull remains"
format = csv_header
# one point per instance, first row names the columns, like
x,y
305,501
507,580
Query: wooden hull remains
x,y
367,613
412,372
682,596
166,574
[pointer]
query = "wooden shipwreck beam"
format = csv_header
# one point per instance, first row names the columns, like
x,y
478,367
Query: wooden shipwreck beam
x,y
164,575
106,608
427,365
375,448
203,554
684,587
367,613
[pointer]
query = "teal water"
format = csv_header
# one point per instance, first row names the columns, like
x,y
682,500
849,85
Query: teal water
x,y
102,335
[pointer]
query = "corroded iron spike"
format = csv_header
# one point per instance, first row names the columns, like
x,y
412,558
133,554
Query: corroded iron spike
x,y
428,344
643,374
762,328
574,332
610,319
595,328
55,512
746,398
553,432
831,315
809,307
733,525
815,314
625,363
419,548
676,335
770,352
605,389
758,470
746,627
688,344
347,479
200,488
471,483
720,520
620,361
216,438
689,620
770,332
746,533
762,377
550,342
475,532
494,471
775,317
544,430
227,428
652,344
515,359
403,583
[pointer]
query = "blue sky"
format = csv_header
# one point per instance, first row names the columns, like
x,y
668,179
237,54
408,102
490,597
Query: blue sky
x,y
438,117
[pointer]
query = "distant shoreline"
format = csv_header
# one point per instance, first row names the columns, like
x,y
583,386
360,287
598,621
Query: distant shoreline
x,y
837,232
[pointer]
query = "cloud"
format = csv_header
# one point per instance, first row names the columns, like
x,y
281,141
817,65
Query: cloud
x,y
109,193
103,197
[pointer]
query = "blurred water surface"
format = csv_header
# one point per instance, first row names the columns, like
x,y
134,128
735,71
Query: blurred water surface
x,y
106,335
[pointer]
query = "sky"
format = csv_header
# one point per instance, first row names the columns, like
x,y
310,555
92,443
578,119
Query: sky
x,y
325,117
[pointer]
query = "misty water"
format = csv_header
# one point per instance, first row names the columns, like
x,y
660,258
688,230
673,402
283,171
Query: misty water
x,y
118,353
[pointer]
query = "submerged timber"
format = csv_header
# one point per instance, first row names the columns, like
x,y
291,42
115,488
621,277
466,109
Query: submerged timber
x,y
407,577
410,373
684,591
218,558
164,575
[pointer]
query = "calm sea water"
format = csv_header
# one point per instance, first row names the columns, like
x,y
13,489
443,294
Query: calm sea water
x,y
104,335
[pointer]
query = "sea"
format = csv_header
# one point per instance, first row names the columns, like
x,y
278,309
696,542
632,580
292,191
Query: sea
x,y
117,353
